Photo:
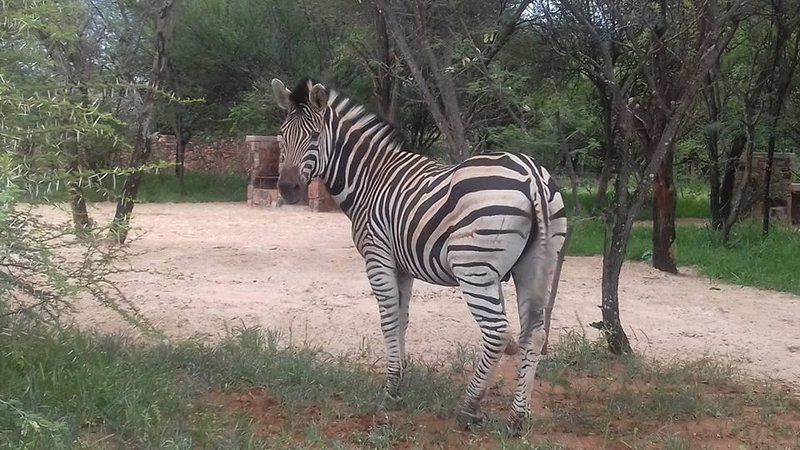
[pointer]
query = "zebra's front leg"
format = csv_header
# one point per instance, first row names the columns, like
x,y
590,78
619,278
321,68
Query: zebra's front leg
x,y
384,284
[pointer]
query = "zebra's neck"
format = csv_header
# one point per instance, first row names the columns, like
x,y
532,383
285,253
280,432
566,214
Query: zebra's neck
x,y
357,145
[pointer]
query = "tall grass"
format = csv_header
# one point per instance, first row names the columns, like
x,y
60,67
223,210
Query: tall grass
x,y
66,385
769,262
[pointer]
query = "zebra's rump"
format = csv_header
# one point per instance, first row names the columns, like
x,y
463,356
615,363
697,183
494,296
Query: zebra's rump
x,y
479,213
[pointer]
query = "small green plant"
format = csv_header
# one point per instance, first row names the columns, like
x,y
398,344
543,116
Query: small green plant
x,y
674,442
24,429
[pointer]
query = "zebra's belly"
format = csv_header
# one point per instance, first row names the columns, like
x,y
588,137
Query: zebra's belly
x,y
441,278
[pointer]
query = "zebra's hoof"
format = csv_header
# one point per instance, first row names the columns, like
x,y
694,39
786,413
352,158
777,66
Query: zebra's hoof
x,y
468,421
512,348
390,402
515,426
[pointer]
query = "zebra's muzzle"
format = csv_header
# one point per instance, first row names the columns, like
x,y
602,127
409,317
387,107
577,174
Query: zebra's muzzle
x,y
291,185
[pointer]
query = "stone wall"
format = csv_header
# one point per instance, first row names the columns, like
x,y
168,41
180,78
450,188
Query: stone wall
x,y
220,156
257,157
780,186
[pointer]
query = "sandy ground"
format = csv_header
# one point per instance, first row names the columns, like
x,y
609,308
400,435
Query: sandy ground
x,y
221,265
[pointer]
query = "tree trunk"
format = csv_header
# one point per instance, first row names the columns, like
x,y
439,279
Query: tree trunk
x,y
713,106
750,119
664,204
609,137
130,190
612,267
387,89
768,176
80,214
741,185
613,258
181,139
729,177
562,139
77,202
551,300
141,147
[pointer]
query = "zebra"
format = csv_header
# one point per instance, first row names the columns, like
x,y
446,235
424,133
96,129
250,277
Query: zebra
x,y
470,225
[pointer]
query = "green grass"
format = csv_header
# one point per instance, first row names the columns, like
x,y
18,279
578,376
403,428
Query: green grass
x,y
749,259
67,389
164,187
692,202
199,187
59,386
658,396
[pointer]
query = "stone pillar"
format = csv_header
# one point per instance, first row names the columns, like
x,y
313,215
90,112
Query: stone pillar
x,y
319,199
264,156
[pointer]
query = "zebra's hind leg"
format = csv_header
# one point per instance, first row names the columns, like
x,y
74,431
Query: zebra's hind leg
x,y
404,283
531,281
481,290
384,283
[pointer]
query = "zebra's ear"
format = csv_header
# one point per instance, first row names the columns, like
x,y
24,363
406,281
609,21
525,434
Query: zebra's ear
x,y
282,94
318,97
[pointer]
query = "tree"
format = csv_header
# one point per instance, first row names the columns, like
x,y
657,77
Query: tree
x,y
164,26
651,94
43,265
225,53
733,96
745,96
73,57
436,44
785,54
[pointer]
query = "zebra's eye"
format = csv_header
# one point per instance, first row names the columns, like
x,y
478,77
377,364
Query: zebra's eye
x,y
315,135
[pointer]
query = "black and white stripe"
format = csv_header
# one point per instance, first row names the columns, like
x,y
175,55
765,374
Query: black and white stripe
x,y
470,225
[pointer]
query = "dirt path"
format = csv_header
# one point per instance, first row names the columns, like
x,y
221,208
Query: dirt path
x,y
222,265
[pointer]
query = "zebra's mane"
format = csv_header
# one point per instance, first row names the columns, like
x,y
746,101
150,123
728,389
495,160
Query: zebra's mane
x,y
299,94
349,110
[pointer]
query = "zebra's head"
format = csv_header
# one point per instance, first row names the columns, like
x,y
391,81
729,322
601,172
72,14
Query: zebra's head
x,y
300,131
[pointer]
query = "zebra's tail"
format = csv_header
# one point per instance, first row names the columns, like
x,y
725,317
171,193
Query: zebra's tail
x,y
559,237
556,232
